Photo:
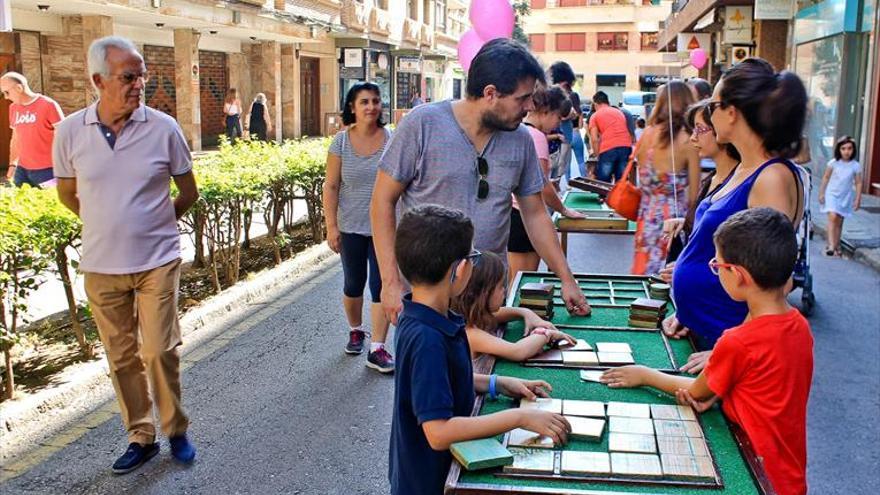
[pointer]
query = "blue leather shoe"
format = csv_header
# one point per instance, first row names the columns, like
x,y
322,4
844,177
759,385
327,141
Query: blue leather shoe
x,y
182,449
134,457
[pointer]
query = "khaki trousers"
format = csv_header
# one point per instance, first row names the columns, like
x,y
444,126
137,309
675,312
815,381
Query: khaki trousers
x,y
122,304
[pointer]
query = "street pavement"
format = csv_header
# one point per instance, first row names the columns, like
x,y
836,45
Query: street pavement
x,y
281,408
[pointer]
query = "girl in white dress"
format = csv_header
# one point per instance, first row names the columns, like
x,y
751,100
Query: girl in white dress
x,y
843,184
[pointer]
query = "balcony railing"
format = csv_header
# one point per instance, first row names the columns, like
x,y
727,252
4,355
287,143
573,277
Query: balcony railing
x,y
356,15
412,31
380,21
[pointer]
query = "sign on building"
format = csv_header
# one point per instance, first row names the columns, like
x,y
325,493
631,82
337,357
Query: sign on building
x,y
412,65
774,9
737,25
691,41
353,57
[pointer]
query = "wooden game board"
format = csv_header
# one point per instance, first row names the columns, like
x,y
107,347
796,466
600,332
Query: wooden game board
x,y
735,464
599,222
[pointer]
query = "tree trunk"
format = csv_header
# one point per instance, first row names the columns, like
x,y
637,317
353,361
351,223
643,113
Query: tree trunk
x,y
248,214
10,379
199,239
61,261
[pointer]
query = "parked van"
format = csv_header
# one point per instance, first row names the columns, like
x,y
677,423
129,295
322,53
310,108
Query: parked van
x,y
639,103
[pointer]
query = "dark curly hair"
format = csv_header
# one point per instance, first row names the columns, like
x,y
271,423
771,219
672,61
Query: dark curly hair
x,y
348,116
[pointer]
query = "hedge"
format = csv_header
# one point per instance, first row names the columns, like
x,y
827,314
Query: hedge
x,y
239,180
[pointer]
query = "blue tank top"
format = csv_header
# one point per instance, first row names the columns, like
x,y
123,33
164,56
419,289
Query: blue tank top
x,y
700,301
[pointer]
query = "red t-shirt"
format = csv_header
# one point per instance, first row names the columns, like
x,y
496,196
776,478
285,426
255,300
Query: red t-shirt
x,y
613,132
762,371
34,126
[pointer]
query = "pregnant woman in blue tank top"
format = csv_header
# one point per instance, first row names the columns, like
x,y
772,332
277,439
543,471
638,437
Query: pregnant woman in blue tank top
x,y
762,114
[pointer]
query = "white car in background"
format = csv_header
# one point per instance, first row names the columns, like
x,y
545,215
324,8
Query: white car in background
x,y
639,103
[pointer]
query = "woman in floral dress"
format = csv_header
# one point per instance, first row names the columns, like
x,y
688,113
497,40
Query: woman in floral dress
x,y
669,175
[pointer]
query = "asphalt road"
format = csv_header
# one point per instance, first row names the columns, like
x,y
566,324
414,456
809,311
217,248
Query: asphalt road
x,y
281,409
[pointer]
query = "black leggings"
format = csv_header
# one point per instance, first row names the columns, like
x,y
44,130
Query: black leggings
x,y
357,252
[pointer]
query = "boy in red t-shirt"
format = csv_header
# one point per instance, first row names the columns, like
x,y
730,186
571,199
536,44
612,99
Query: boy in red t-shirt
x,y
762,369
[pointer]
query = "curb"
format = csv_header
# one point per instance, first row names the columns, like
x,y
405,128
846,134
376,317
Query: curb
x,y
866,256
26,424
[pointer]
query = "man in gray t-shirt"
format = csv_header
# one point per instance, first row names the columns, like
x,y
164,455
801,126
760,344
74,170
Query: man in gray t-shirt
x,y
471,155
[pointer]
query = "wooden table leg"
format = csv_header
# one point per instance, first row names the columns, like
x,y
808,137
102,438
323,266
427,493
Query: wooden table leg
x,y
564,242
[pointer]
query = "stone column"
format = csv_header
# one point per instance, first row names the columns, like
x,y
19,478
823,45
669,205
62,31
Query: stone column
x,y
186,77
270,81
290,93
93,27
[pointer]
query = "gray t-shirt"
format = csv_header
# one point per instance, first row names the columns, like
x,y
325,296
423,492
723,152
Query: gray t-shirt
x,y
431,154
356,185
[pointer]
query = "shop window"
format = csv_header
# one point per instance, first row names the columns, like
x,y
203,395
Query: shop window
x,y
649,41
538,4
572,3
571,42
613,41
538,42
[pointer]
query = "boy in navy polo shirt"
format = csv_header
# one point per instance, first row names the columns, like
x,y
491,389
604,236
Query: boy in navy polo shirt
x,y
434,383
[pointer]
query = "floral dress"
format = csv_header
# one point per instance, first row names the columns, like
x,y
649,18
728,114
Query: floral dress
x,y
659,195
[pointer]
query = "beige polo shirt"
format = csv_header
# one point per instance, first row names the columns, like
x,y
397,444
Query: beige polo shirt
x,y
129,225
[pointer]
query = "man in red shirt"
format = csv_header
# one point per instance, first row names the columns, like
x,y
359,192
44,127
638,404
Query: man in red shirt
x,y
32,118
762,369
609,138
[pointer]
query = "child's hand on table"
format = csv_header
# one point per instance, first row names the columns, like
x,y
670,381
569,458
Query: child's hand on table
x,y
696,362
684,398
545,423
557,337
533,321
625,376
523,389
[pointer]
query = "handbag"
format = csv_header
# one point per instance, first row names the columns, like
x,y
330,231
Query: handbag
x,y
625,197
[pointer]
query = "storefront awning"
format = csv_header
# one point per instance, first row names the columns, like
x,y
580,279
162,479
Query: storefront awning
x,y
687,18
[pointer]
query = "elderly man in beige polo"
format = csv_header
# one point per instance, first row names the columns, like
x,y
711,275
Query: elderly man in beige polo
x,y
114,161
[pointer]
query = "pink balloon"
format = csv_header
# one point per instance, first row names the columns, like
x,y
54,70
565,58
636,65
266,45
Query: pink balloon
x,y
468,46
492,18
699,58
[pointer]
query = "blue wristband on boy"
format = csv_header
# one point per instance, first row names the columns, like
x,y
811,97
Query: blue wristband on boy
x,y
492,393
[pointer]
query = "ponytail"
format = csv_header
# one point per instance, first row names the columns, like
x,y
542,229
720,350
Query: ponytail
x,y
774,105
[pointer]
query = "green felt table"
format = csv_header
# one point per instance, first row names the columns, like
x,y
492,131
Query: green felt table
x,y
734,460
582,200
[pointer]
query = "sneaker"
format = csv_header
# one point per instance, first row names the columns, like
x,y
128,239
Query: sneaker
x,y
182,449
134,457
381,361
355,342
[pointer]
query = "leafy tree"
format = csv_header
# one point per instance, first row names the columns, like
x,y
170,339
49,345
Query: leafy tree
x,y
521,9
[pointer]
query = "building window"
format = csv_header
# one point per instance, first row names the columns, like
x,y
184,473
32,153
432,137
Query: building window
x,y
649,41
571,42
538,42
572,3
538,4
412,9
613,41
440,14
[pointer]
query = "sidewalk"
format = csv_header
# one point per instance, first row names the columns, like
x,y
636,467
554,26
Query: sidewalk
x,y
861,231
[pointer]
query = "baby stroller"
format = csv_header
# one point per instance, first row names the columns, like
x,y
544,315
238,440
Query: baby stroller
x,y
802,277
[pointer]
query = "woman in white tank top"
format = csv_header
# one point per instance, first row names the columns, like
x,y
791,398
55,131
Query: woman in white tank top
x,y
232,112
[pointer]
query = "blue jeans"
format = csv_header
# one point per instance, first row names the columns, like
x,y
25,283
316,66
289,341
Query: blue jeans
x,y
32,177
612,162
577,146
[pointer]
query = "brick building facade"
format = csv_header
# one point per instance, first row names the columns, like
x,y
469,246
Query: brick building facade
x,y
193,50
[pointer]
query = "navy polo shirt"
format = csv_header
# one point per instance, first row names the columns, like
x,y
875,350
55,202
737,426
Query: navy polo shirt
x,y
433,379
